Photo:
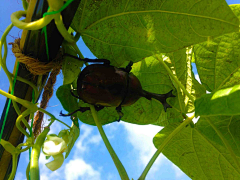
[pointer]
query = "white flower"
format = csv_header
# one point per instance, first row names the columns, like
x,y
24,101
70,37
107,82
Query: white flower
x,y
56,163
54,146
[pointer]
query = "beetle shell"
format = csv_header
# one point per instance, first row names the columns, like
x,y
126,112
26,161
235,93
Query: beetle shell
x,y
106,85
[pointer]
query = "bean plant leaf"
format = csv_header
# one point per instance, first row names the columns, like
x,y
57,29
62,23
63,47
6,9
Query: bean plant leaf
x,y
218,61
180,64
196,155
228,126
106,115
123,30
68,102
74,134
70,66
223,102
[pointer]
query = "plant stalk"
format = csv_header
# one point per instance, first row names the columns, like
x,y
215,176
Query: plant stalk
x,y
34,168
14,166
121,170
32,107
164,143
174,77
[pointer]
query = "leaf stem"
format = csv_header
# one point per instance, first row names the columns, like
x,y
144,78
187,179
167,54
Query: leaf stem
x,y
164,143
3,62
32,107
34,168
121,170
29,83
52,117
61,28
14,166
20,118
78,51
35,25
174,77
225,143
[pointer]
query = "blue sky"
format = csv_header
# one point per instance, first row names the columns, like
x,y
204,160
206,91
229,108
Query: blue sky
x,y
89,159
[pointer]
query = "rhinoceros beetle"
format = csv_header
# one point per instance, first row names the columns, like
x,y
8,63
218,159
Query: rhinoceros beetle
x,y
103,85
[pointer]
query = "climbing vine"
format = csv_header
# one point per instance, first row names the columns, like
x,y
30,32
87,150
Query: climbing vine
x,y
162,50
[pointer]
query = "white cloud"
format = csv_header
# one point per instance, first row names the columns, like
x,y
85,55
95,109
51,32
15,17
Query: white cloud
x,y
178,172
141,136
78,168
111,128
20,176
86,139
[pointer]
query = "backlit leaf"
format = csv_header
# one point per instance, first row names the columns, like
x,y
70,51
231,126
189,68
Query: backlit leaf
x,y
70,66
74,134
228,126
218,61
223,102
121,30
197,156
68,102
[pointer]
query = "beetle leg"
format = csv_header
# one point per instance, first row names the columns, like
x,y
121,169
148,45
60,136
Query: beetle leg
x,y
119,111
71,91
104,61
82,109
129,67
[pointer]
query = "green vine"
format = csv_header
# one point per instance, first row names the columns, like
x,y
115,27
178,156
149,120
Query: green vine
x,y
121,170
53,13
164,143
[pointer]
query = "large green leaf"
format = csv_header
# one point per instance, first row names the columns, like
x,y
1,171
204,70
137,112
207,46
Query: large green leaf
x,y
154,78
71,67
68,102
197,156
73,136
218,61
227,126
121,30
106,115
223,102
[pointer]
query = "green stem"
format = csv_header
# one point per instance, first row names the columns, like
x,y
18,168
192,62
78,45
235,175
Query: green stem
x,y
14,166
52,117
234,157
164,143
29,83
25,149
21,118
27,171
63,123
35,25
34,168
121,170
174,78
78,51
77,36
25,4
32,107
62,29
3,63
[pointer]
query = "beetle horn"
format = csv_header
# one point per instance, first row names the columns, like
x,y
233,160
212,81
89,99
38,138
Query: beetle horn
x,y
160,97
